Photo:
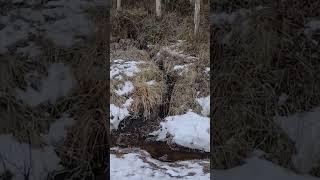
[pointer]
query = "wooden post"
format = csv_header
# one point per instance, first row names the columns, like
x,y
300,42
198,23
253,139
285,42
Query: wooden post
x,y
196,16
158,8
118,5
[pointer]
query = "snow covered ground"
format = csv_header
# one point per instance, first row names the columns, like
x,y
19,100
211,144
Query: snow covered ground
x,y
189,130
259,169
57,84
20,159
304,130
62,22
119,70
138,165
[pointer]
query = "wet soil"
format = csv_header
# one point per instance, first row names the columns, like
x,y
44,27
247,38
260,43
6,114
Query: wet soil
x,y
164,152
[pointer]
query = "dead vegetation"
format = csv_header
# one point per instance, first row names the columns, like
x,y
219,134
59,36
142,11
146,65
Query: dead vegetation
x,y
161,43
264,56
85,148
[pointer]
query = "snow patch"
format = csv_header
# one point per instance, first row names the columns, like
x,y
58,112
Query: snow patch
x,y
129,68
58,130
205,104
151,83
190,130
182,68
68,23
261,169
125,88
58,84
117,114
178,67
207,70
19,157
139,165
304,130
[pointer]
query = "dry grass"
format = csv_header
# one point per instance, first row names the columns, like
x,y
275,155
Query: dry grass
x,y
190,82
251,71
128,52
136,27
139,24
146,99
17,118
85,147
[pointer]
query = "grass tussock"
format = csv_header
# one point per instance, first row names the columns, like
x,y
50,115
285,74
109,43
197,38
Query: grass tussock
x,y
146,98
253,67
191,84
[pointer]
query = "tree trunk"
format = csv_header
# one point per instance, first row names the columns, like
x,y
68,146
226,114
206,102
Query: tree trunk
x,y
158,8
118,5
196,16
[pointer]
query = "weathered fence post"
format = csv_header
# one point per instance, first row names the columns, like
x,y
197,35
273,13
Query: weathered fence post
x,y
158,8
118,5
196,16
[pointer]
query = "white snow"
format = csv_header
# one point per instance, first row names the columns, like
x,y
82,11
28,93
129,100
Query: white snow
x,y
207,70
178,67
129,68
58,84
117,114
190,130
58,130
128,102
205,104
19,158
182,68
125,88
16,31
259,169
304,130
139,165
152,82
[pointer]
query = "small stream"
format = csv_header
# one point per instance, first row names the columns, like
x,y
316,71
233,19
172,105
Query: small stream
x,y
163,152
